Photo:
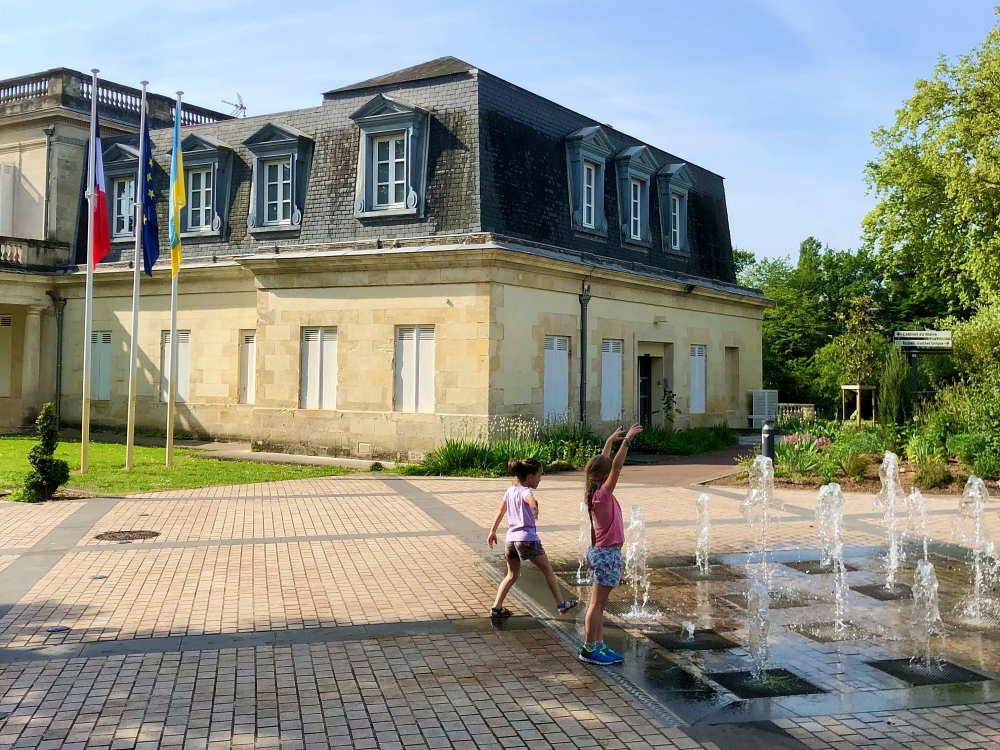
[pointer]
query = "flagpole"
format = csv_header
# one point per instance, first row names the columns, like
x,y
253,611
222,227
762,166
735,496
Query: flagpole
x,y
174,343
88,309
134,343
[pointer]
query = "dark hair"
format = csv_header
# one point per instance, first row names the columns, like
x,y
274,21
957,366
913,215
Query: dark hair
x,y
522,468
597,471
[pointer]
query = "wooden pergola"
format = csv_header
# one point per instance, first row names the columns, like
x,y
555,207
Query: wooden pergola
x,y
858,390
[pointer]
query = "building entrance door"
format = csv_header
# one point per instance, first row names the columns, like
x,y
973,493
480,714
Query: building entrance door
x,y
645,390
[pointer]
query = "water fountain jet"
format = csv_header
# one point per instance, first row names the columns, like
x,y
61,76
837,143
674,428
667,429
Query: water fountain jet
x,y
925,618
703,542
970,526
635,564
830,523
583,546
890,500
758,624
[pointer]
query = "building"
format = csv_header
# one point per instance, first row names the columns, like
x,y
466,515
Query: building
x,y
422,254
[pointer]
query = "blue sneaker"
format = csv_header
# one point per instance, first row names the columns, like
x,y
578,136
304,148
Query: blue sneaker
x,y
616,658
597,656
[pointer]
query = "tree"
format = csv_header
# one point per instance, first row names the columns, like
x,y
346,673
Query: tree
x,y
48,472
862,348
936,226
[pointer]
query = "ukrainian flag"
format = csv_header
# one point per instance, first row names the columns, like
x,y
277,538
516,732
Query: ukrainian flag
x,y
178,194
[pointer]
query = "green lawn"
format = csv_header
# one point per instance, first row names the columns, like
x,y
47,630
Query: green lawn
x,y
107,468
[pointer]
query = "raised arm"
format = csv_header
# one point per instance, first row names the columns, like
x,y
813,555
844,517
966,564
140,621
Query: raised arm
x,y
619,462
492,538
610,442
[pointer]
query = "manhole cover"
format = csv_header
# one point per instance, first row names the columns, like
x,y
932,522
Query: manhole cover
x,y
828,632
58,629
935,673
623,609
897,592
776,683
126,536
779,600
704,640
715,573
814,567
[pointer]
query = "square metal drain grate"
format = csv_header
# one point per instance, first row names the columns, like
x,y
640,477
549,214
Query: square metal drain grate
x,y
828,632
570,579
621,609
935,673
776,683
715,573
814,567
779,600
898,592
704,640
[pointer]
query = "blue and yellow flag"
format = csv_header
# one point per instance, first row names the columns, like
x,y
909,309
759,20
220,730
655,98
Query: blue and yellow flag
x,y
147,201
177,194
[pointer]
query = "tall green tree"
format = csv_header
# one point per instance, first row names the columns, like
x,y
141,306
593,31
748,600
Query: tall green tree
x,y
936,226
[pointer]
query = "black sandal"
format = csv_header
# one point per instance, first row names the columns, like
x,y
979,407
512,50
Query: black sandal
x,y
499,612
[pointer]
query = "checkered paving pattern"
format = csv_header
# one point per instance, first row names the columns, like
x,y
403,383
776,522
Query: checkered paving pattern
x,y
23,524
245,588
266,517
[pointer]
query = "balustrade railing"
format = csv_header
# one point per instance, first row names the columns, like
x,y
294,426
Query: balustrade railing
x,y
17,253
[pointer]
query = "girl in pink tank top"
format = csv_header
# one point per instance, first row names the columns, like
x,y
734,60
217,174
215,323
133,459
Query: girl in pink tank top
x,y
523,543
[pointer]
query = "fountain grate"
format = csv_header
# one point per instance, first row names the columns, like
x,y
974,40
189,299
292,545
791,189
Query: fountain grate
x,y
827,632
621,609
779,600
776,683
127,536
704,640
898,592
570,579
815,567
715,573
919,673
985,621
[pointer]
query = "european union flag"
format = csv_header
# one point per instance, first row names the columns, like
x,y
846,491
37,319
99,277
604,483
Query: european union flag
x,y
150,229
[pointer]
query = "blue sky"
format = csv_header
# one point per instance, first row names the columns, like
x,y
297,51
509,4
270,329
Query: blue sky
x,y
778,96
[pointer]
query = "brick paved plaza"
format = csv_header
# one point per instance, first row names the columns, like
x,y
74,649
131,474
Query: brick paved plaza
x,y
349,612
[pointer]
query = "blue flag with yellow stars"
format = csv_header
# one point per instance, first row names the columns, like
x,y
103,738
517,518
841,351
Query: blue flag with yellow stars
x,y
150,229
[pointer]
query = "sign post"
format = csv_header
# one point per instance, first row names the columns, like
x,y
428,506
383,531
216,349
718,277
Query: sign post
x,y
917,343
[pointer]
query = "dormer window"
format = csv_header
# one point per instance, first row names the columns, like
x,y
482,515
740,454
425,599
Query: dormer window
x,y
199,199
589,178
392,159
635,166
674,182
587,150
282,157
635,226
124,207
208,168
121,164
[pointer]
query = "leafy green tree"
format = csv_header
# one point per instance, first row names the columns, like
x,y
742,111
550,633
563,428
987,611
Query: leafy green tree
x,y
936,226
48,473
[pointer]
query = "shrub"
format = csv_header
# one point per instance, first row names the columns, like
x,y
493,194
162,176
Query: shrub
x,y
687,442
798,454
932,473
921,449
48,473
966,446
893,399
855,465
986,465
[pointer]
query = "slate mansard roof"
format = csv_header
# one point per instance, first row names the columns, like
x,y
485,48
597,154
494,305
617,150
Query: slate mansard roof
x,y
496,161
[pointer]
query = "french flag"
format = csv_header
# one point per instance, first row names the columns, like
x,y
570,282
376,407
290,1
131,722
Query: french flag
x,y
102,232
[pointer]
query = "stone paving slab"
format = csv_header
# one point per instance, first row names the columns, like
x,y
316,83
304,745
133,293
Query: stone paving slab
x,y
24,524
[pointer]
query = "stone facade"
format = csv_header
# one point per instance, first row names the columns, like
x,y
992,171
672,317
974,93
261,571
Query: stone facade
x,y
491,264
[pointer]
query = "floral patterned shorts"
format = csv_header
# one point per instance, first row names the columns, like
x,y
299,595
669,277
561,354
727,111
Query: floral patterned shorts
x,y
524,550
606,565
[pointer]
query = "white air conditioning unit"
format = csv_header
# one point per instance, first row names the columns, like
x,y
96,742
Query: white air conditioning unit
x,y
763,407
6,200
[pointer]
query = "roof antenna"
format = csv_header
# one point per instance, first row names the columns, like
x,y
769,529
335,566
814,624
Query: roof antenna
x,y
239,109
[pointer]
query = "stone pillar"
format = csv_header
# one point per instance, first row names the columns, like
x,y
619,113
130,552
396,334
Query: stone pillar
x,y
31,357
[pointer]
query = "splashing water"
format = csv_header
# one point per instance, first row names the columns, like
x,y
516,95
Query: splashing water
x,y
830,522
925,618
583,546
758,624
703,542
635,563
890,499
916,518
760,507
970,526
688,627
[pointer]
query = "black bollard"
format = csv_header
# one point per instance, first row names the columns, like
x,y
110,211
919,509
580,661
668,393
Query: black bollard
x,y
767,441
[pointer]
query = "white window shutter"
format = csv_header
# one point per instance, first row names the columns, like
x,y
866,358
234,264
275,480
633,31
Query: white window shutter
x,y
6,341
425,369
183,392
555,384
100,365
698,372
248,367
164,365
328,369
310,368
611,379
406,368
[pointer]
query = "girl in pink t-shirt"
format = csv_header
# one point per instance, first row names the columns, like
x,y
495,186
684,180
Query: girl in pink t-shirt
x,y
607,535
523,543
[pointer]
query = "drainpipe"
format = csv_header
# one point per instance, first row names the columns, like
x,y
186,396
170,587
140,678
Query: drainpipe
x,y
584,301
48,130
60,305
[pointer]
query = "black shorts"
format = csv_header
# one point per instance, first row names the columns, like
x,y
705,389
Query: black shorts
x,y
524,550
